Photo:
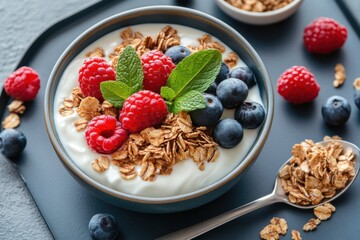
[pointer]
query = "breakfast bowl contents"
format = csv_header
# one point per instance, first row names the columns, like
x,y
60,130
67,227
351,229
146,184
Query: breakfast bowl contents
x,y
259,12
127,113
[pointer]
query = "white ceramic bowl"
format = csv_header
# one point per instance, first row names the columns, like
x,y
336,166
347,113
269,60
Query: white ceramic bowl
x,y
169,15
259,18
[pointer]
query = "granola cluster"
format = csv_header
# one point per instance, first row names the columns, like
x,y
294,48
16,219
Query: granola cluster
x,y
339,75
356,83
277,227
86,107
16,108
316,172
166,38
156,151
259,5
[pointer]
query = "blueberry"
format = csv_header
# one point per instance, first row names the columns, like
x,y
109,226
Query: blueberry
x,y
223,74
232,92
336,110
103,226
212,89
245,74
357,98
250,115
228,133
209,115
177,53
12,142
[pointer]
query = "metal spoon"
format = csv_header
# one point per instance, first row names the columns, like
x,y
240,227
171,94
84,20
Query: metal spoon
x,y
277,195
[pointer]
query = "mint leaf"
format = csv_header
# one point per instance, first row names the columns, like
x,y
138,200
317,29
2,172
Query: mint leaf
x,y
167,93
115,92
190,101
195,72
129,69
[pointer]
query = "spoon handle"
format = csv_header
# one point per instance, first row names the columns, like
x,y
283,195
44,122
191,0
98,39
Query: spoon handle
x,y
207,225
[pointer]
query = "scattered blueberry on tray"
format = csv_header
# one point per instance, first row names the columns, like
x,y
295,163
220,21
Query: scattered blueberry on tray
x,y
103,226
336,110
12,142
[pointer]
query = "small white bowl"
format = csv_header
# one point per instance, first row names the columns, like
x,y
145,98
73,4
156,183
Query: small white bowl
x,y
259,18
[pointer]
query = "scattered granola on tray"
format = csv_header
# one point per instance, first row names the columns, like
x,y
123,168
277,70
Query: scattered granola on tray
x,y
277,227
339,75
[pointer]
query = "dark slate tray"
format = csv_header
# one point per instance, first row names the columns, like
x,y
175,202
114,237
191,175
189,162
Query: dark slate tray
x,y
67,207
351,9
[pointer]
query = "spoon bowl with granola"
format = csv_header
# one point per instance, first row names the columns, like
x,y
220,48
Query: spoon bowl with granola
x,y
315,175
121,101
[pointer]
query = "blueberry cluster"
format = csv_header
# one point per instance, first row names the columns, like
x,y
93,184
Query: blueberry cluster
x,y
230,91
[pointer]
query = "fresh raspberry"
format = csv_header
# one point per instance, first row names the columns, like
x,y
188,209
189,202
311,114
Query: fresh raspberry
x,y
94,71
324,35
298,85
105,134
157,68
23,84
141,110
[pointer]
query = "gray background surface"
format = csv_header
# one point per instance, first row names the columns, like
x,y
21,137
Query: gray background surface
x,y
20,22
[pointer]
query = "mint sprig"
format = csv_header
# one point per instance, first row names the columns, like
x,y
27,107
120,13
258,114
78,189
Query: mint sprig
x,y
129,78
188,102
129,69
115,92
185,85
191,77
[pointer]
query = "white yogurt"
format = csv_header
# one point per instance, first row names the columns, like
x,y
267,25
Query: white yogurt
x,y
185,177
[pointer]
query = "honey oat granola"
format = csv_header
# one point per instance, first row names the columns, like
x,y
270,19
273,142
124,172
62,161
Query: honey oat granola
x,y
277,227
259,5
295,235
356,83
101,164
156,151
339,75
311,224
17,106
324,212
165,39
316,172
11,121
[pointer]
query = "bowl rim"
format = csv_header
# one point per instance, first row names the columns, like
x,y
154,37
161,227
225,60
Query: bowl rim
x,y
275,12
74,169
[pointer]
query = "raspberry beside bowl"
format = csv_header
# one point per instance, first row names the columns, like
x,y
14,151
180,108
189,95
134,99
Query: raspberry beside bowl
x,y
161,14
